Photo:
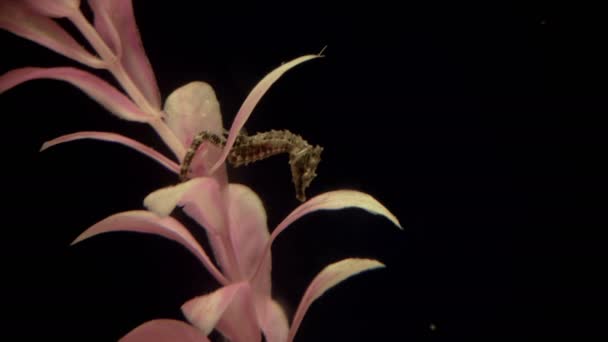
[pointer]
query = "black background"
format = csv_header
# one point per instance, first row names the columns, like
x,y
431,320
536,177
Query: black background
x,y
479,125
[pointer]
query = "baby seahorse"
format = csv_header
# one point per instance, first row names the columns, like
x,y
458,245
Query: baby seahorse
x,y
303,158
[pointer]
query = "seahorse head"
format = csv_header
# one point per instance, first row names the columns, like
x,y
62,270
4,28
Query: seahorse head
x,y
303,169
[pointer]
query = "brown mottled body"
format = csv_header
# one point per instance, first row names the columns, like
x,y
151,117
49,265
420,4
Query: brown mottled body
x,y
263,145
303,158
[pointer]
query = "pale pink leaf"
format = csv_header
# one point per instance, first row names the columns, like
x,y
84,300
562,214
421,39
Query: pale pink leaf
x,y
164,330
142,221
18,18
202,194
239,321
273,321
115,18
191,109
249,235
205,311
329,277
252,100
55,8
105,27
98,89
332,200
202,200
116,138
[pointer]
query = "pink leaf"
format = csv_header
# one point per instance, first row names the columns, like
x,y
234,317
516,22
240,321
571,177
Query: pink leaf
x,y
272,320
205,311
202,200
249,234
191,109
146,222
164,330
239,322
332,200
329,277
252,100
200,197
117,138
105,27
96,88
114,19
55,8
18,18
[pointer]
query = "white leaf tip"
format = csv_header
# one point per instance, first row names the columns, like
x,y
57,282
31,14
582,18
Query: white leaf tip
x,y
163,201
44,146
78,239
369,264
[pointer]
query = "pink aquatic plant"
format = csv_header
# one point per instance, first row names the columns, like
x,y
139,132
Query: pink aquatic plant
x,y
234,219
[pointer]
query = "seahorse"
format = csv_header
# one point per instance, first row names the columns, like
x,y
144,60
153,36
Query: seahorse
x,y
303,157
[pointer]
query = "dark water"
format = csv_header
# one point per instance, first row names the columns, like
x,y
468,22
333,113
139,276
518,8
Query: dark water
x,y
479,125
